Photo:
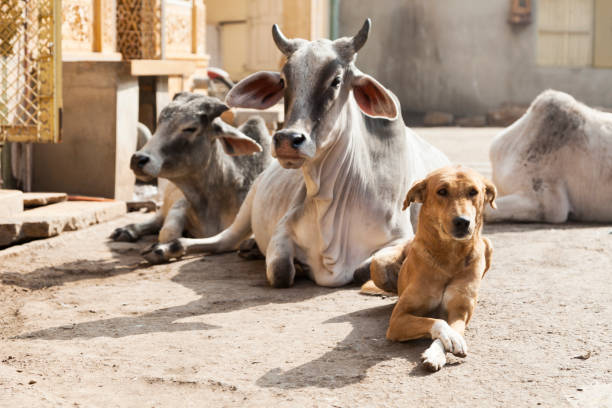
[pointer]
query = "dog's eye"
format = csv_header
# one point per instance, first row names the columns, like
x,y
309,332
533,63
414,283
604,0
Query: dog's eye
x,y
190,129
473,192
336,82
442,192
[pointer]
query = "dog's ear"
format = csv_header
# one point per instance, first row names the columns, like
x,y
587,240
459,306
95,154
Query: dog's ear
x,y
416,193
490,193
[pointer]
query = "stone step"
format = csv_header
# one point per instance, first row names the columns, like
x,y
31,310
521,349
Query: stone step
x,y
38,199
53,219
11,203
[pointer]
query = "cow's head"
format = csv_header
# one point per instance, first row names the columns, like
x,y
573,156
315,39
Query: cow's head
x,y
187,131
316,82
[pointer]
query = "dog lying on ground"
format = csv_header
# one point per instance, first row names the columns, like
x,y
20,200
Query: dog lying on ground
x,y
441,268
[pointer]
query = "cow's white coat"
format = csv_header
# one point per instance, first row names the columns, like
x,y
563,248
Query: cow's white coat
x,y
554,163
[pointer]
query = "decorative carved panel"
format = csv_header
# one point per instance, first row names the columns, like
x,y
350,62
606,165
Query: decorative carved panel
x,y
178,27
109,25
139,29
77,25
30,70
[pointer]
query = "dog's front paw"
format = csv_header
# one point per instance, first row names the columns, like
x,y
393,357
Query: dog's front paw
x,y
453,342
125,234
434,358
160,253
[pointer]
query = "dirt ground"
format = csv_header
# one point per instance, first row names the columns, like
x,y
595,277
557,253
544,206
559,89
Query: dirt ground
x,y
85,323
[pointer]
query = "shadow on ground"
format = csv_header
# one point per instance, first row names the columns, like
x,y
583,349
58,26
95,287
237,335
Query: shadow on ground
x,y
349,361
225,283
228,283
125,258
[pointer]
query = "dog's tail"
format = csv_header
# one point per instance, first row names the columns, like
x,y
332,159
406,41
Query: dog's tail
x,y
370,289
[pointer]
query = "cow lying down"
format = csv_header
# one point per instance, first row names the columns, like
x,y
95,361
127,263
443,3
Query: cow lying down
x,y
344,162
554,163
194,149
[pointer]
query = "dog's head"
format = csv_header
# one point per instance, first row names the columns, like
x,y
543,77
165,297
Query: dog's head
x,y
453,201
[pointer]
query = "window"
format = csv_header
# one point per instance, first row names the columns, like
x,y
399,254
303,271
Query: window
x,y
603,34
565,32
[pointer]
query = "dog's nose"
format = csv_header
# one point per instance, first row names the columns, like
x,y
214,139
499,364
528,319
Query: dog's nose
x,y
138,160
461,224
295,139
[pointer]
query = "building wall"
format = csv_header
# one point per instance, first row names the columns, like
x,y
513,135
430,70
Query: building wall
x,y
461,57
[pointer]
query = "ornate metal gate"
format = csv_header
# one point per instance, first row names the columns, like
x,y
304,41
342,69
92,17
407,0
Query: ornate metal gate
x,y
30,70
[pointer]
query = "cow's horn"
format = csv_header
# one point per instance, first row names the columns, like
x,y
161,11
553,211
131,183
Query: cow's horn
x,y
362,36
285,45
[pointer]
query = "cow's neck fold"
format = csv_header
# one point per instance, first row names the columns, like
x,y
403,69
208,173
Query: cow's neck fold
x,y
345,154
334,185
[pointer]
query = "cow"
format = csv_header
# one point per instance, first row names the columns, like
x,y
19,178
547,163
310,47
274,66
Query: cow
x,y
344,162
210,165
554,163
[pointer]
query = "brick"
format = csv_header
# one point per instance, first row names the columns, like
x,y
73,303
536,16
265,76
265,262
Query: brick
x,y
438,119
472,121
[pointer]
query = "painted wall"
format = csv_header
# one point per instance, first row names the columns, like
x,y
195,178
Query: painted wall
x,y
461,56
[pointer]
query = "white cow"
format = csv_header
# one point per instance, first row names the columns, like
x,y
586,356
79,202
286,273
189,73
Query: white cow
x,y
345,161
554,163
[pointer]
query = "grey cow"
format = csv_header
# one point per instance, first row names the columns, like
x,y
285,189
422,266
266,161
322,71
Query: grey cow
x,y
193,148
345,161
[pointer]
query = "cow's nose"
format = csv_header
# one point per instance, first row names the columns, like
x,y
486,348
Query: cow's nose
x,y
296,139
461,223
138,160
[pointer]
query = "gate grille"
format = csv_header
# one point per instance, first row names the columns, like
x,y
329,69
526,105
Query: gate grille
x,y
30,70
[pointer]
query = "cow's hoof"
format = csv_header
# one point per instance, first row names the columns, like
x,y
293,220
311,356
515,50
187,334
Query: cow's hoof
x,y
249,250
362,274
434,358
125,234
160,253
281,273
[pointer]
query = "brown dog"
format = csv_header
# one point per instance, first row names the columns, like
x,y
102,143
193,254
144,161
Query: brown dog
x,y
443,265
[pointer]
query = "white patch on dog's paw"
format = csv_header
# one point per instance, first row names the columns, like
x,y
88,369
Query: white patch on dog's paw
x,y
451,340
434,358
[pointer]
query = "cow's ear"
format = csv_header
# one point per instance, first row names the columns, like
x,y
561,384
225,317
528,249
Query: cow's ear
x,y
373,98
217,108
490,193
416,194
260,90
180,95
234,142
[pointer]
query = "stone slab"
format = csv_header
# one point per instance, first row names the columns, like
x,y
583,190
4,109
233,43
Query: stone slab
x,y
38,199
53,219
11,202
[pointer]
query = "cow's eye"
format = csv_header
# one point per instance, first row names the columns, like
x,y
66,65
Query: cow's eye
x,y
190,129
442,192
336,82
473,192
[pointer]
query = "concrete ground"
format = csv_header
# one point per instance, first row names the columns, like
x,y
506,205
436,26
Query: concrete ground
x,y
84,322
